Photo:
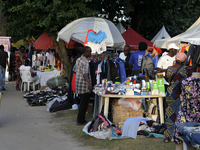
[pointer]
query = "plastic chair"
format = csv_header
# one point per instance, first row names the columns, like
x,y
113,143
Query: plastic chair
x,y
27,79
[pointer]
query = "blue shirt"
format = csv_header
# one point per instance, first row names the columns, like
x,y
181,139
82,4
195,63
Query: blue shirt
x,y
155,61
122,71
136,59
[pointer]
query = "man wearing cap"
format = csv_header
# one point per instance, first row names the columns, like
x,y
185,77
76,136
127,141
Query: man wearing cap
x,y
167,60
136,58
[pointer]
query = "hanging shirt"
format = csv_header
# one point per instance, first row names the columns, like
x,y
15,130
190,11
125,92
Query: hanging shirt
x,y
122,56
98,73
122,71
155,61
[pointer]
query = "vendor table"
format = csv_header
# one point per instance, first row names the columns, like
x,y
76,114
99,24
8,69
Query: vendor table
x,y
45,76
105,100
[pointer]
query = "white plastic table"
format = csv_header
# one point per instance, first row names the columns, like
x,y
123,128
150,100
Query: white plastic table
x,y
105,101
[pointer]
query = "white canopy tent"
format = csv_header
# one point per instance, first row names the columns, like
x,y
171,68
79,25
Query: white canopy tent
x,y
192,35
162,34
120,28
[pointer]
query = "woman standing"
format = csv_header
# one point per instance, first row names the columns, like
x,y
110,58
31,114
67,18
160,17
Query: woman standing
x,y
174,74
20,60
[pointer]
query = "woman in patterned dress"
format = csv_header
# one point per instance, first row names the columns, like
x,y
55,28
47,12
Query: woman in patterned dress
x,y
20,60
174,74
189,109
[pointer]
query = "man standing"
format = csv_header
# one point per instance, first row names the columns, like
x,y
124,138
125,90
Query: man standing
x,y
127,50
136,58
83,84
167,60
3,63
30,55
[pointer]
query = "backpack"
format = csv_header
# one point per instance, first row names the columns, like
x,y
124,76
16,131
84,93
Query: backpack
x,y
146,64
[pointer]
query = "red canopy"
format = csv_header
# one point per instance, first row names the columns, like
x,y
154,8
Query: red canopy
x,y
44,42
133,39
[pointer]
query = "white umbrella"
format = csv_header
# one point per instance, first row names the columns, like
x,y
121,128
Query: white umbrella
x,y
77,31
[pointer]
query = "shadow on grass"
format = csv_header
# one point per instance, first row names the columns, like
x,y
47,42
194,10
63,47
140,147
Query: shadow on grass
x,y
67,119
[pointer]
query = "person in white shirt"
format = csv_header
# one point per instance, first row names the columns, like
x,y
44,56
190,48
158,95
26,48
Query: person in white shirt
x,y
167,60
28,68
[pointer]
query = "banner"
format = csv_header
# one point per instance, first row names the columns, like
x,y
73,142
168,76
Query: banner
x,y
6,42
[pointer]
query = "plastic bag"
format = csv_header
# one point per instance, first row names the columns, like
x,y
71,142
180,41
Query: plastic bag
x,y
130,103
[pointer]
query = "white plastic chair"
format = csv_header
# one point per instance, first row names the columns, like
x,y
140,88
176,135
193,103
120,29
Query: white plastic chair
x,y
28,80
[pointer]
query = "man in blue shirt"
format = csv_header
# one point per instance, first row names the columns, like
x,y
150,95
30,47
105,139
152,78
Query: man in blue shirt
x,y
136,58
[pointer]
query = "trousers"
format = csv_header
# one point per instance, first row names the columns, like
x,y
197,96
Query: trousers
x,y
84,100
2,77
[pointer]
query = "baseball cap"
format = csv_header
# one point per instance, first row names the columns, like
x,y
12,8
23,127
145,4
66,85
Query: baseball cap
x,y
173,45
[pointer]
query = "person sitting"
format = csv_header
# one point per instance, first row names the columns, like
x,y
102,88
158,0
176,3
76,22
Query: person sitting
x,y
174,75
26,67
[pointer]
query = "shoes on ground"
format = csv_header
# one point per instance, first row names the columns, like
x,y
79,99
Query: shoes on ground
x,y
80,124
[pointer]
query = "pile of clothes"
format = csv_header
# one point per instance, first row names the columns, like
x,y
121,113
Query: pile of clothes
x,y
41,98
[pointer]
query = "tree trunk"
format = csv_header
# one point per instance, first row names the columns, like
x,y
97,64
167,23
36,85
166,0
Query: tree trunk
x,y
63,54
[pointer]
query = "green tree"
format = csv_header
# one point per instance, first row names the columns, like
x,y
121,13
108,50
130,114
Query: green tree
x,y
148,16
33,17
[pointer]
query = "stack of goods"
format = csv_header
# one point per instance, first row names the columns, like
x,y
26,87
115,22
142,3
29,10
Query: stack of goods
x,y
136,85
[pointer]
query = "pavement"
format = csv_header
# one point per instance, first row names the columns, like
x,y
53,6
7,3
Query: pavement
x,y
23,127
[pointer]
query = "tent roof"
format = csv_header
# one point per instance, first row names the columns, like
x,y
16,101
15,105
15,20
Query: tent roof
x,y
194,24
191,35
162,34
44,42
133,39
120,28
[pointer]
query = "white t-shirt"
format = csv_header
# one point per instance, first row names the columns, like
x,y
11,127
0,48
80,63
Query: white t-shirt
x,y
165,61
52,59
122,56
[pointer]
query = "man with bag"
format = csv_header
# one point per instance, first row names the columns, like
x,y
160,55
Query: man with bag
x,y
136,58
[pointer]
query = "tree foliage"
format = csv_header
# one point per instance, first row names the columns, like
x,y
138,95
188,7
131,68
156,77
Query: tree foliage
x,y
148,16
33,17
26,18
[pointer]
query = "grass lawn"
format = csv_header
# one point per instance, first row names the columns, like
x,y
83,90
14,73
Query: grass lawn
x,y
67,119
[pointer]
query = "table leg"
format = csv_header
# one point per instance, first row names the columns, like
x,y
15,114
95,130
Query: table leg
x,y
101,103
106,105
95,105
160,101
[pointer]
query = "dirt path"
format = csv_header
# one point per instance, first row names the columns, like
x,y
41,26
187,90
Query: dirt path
x,y
30,128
